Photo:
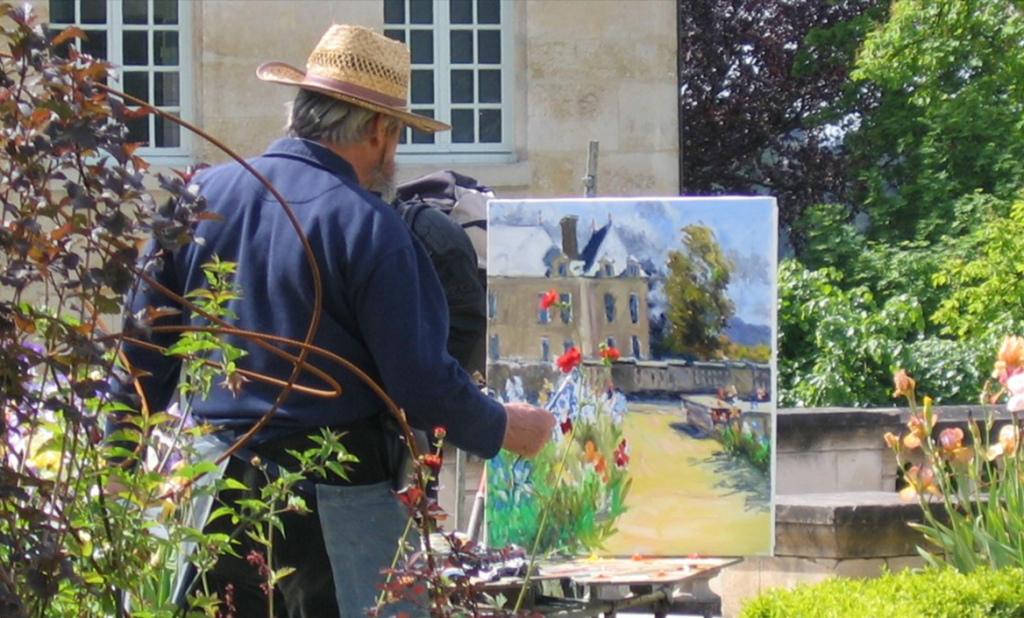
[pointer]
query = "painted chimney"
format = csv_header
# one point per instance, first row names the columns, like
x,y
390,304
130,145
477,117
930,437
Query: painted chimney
x,y
569,242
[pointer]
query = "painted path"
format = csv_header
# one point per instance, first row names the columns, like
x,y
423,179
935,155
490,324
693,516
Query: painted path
x,y
688,496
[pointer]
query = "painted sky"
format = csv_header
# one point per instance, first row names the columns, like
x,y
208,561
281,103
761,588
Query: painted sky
x,y
745,228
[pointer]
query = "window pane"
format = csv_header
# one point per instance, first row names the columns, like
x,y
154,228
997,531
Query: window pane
x,y
488,12
165,11
62,11
168,134
422,87
462,86
419,137
489,46
136,83
394,11
134,11
138,129
462,46
490,87
165,48
94,11
421,11
166,89
490,126
463,131
136,47
95,43
461,12
398,35
421,46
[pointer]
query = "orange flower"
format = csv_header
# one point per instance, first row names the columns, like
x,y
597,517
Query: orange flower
x,y
904,384
951,445
891,440
1009,360
570,359
432,461
919,482
549,298
590,452
917,434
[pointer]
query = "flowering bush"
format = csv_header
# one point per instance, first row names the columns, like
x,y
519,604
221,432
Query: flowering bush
x,y
978,477
580,478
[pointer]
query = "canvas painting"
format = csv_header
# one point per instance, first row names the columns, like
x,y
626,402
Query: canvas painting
x,y
647,327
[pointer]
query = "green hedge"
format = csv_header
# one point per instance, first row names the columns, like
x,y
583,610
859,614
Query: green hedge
x,y
932,593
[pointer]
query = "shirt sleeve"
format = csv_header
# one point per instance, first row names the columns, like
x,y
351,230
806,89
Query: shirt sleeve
x,y
401,311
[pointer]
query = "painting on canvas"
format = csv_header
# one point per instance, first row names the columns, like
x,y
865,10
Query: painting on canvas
x,y
647,327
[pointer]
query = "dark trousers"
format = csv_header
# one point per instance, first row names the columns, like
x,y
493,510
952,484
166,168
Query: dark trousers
x,y
310,590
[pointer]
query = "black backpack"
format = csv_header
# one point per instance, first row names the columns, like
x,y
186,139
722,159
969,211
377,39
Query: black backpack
x,y
425,204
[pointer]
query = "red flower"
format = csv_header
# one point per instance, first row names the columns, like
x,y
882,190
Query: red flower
x,y
432,461
548,299
566,426
610,354
570,359
440,432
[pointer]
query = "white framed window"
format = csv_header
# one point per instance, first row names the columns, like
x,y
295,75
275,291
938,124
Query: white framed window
x,y
461,74
149,42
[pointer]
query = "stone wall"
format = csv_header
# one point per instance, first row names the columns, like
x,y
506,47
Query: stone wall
x,y
588,69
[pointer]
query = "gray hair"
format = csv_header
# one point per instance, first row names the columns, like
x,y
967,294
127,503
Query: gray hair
x,y
320,117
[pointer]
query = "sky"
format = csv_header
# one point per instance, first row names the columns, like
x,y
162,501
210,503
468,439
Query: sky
x,y
745,228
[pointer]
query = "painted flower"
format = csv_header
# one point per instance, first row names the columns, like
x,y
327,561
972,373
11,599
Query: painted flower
x,y
622,454
920,481
569,360
951,445
1009,360
904,384
609,354
590,453
549,298
1006,443
566,426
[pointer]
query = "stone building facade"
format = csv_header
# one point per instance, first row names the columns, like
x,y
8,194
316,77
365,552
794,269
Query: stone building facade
x,y
547,76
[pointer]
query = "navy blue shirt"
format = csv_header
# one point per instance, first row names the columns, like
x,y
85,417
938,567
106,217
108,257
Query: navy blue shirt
x,y
383,307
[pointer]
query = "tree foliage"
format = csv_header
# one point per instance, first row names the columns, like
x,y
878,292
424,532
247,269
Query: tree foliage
x,y
698,308
950,117
765,88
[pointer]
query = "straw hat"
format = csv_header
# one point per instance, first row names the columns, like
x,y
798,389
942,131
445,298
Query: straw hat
x,y
359,66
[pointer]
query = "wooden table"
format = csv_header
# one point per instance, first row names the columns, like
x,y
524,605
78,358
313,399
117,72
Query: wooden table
x,y
590,587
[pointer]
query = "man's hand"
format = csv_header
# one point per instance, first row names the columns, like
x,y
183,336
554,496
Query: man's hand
x,y
527,429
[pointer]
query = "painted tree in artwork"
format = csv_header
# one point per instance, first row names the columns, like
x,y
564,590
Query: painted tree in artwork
x,y
698,308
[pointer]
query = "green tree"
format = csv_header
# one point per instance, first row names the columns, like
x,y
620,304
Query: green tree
x,y
950,79
698,308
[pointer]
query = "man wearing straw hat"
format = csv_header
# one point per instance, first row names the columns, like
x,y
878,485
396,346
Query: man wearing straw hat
x,y
383,310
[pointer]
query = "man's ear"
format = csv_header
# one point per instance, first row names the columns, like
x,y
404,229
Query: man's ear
x,y
378,130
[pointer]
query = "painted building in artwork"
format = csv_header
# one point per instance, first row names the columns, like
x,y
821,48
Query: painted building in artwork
x,y
602,290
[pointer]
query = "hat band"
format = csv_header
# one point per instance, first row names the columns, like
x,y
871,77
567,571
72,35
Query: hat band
x,y
354,90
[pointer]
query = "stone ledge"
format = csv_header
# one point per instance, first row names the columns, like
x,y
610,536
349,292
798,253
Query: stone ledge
x,y
870,524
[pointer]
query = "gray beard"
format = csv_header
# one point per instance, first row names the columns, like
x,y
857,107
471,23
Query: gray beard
x,y
383,183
